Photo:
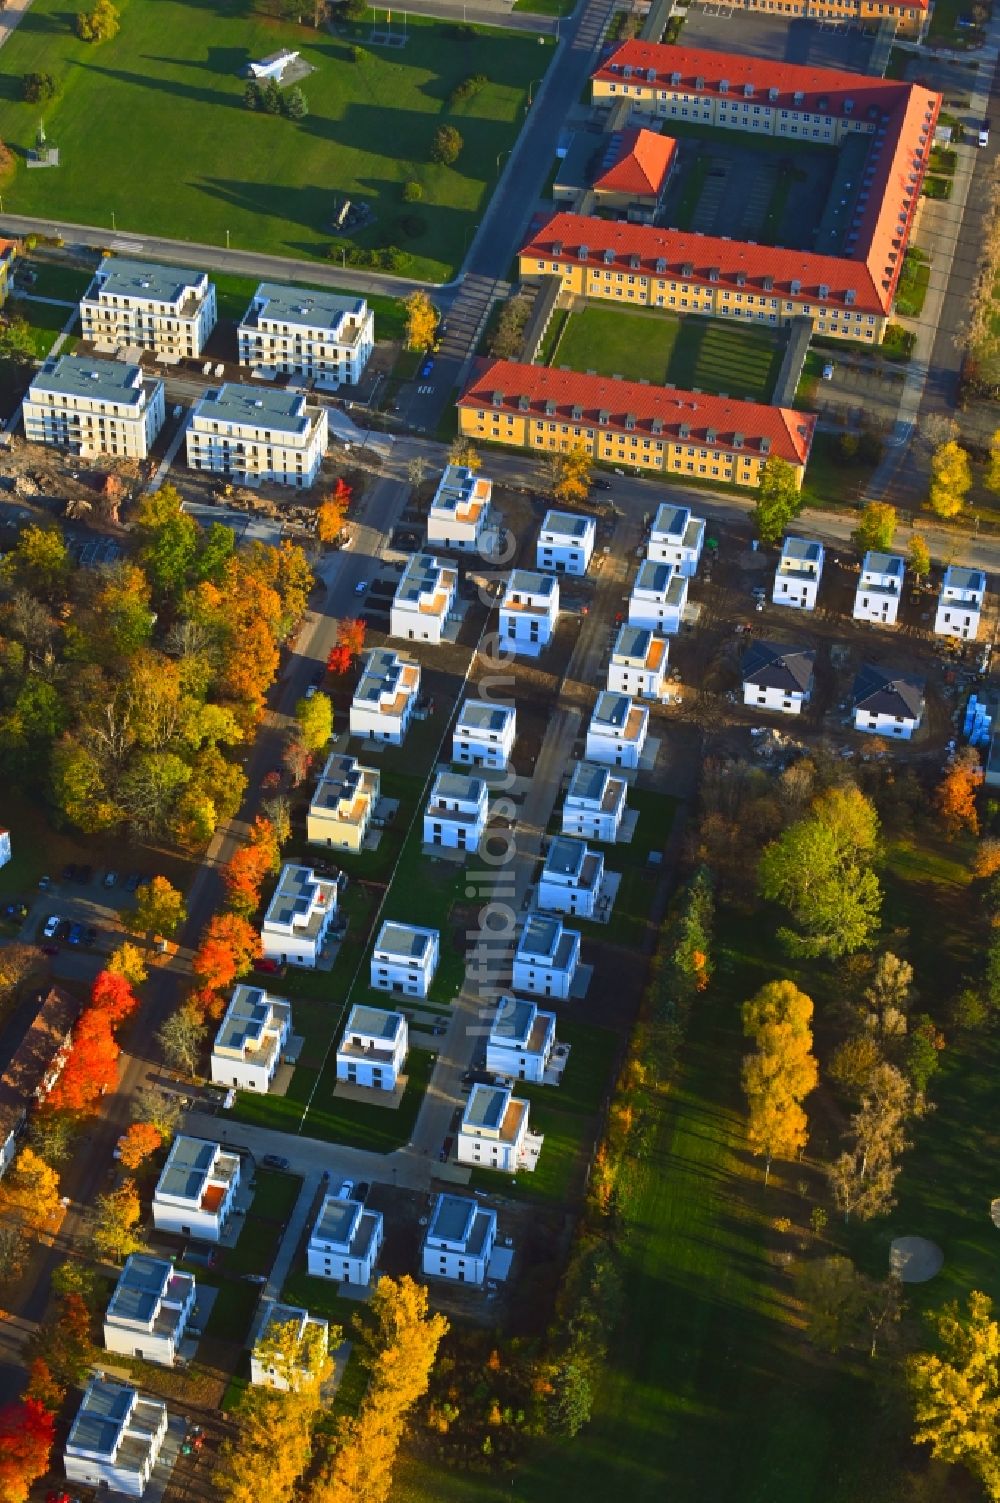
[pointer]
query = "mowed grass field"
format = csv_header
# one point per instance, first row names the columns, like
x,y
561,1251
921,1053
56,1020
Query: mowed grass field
x,y
660,347
151,127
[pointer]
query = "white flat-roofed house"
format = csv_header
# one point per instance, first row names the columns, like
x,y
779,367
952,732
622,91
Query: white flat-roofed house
x,y
149,1311
296,1365
325,336
617,731
195,1192
659,595
385,698
676,538
566,543
572,878
345,1241
459,515
344,799
595,803
424,599
798,575
251,1036
298,917
880,588
484,734
960,603
94,407
546,958
405,959
456,812
459,1240
372,1051
638,664
778,678
887,703
254,433
528,612
165,309
494,1130
114,1442
521,1040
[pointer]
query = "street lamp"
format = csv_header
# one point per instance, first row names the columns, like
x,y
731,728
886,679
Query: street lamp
x,y
343,257
113,225
227,240
503,154
530,88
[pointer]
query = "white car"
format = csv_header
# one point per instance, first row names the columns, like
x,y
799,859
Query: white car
x,y
361,587
310,690
51,925
828,372
984,133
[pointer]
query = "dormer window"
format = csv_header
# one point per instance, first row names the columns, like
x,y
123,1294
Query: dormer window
x,y
748,91
699,82
634,262
657,425
741,279
798,96
713,273
627,71
824,292
849,297
684,430
609,257
822,104
661,266
710,435
650,75
584,252
630,421
848,106
602,417
557,247
724,86
772,94
687,270
737,440
675,79
767,283
498,399
550,408
577,413
765,446
523,404
796,287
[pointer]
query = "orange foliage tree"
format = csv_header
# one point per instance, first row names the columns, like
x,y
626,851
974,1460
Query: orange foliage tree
x,y
956,793
350,643
245,873
332,512
27,1430
986,861
141,1140
44,1386
228,949
91,1067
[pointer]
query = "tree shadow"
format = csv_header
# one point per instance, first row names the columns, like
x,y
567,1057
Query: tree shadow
x,y
166,86
227,61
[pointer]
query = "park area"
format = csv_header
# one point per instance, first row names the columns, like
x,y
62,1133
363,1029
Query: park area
x,y
696,352
154,137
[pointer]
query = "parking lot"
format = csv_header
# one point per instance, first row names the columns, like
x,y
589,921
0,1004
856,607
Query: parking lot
x,y
820,44
79,909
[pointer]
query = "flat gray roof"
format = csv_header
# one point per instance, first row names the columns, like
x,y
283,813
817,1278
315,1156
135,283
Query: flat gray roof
x,y
120,276
452,1218
311,309
540,936
514,1017
566,856
802,548
381,674
140,1287
480,715
530,582
633,641
959,578
654,576
486,1106
589,781
406,940
256,406
376,1021
883,563
611,709
97,380
422,576
568,523
457,785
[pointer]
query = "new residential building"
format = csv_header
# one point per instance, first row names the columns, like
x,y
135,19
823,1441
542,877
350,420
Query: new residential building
x,y
638,664
345,1241
405,959
880,588
298,916
459,1240
799,571
255,433
659,595
494,1129
460,511
960,603
312,1335
424,599
547,957
149,1310
456,812
677,538
617,731
887,703
33,1057
9,252
594,804
778,678
566,543
385,697
521,1040
648,428
195,1192
114,1442
372,1051
165,309
344,799
484,734
94,407
528,612
323,336
572,878
251,1036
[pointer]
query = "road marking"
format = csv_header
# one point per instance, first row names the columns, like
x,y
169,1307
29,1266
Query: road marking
x,y
126,245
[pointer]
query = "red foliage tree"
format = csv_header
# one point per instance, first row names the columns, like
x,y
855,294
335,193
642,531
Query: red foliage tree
x,y
228,949
112,994
350,643
243,878
91,1067
44,1386
27,1430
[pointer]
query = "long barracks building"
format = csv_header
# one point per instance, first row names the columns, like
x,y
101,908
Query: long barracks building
x,y
846,287
651,428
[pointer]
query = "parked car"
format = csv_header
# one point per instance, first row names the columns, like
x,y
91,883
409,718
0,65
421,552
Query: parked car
x,y
44,883
273,1161
361,587
310,690
68,873
346,1189
132,881
600,484
75,934
51,925
15,910
110,879
984,133
268,966
427,367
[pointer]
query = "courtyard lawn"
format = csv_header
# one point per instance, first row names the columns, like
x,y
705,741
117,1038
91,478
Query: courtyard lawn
x,y
54,280
46,322
233,296
360,1125
152,128
712,355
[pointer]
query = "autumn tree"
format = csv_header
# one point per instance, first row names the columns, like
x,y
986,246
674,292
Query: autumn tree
x,y
887,998
128,962
115,1218
21,967
991,476
955,796
182,1037
782,1072
951,479
820,870
139,1142
350,645
91,1066
29,1197
568,473
918,557
159,909
27,1430
446,146
863,1178
876,528
464,453
833,1299
778,500
956,1390
314,715
507,337
63,1342
331,514
112,994
228,949
853,1062
101,24
39,561
986,859
298,760
421,321
244,875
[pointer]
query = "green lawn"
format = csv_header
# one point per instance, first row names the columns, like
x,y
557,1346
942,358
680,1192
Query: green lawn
x,y
152,128
53,280
829,481
913,281
361,1125
546,7
712,355
45,321
320,1297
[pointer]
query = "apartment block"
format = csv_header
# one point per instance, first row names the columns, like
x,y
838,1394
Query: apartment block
x,y
252,434
343,802
405,959
494,1130
572,878
459,1240
522,1038
424,599
547,957
323,336
166,309
115,1440
94,407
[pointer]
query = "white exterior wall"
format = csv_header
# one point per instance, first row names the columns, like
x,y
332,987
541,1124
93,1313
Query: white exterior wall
x,y
373,724
474,746
640,683
528,616
884,725
488,1152
188,1220
659,610
94,426
146,322
590,824
873,603
412,977
566,897
95,1471
517,1063
778,700
316,352
958,613
611,749
252,454
564,553
665,549
133,1341
454,835
326,1260
443,1262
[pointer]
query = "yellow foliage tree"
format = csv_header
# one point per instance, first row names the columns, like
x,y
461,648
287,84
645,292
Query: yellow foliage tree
x,y
128,961
783,1071
951,479
991,478
464,452
956,1390
570,473
421,321
29,1193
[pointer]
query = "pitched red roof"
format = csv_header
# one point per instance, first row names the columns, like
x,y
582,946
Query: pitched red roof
x,y
819,87
641,165
536,392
